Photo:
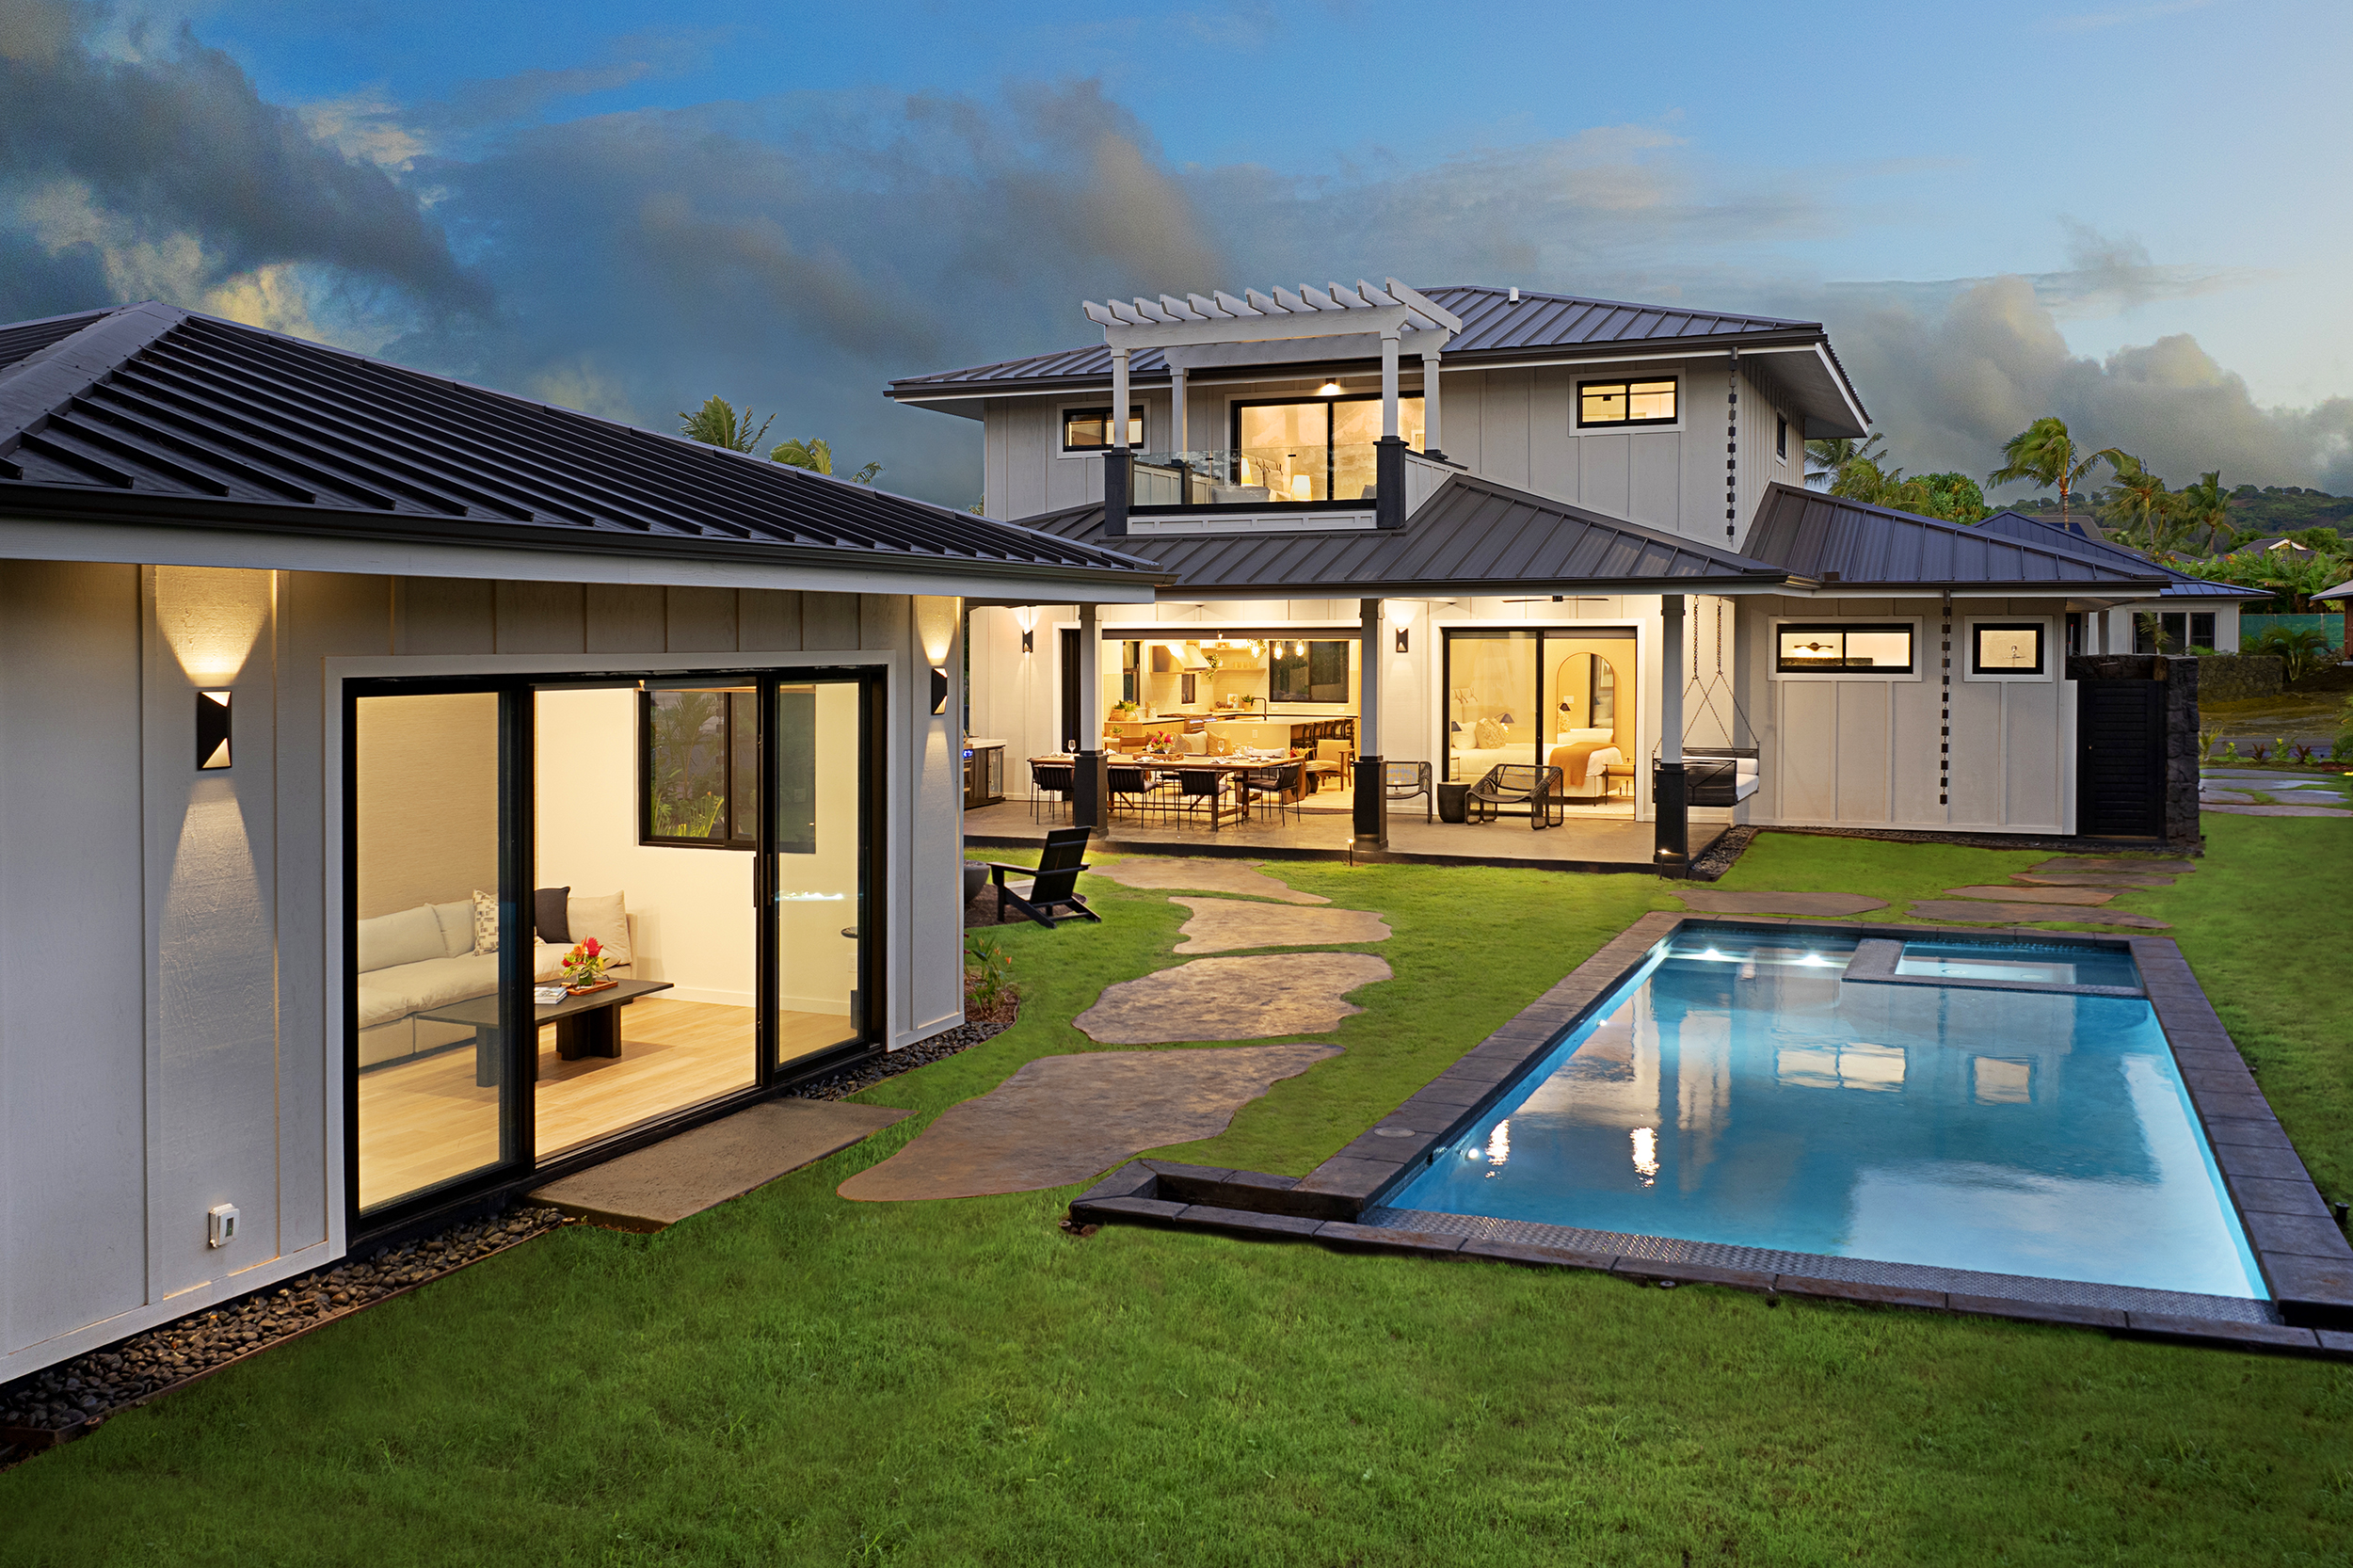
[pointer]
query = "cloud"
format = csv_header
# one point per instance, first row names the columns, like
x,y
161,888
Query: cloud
x,y
174,172
1949,384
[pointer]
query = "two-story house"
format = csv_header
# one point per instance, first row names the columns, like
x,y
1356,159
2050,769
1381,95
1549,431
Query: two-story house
x,y
1485,526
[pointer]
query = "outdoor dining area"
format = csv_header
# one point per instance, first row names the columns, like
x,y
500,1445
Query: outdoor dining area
x,y
1172,785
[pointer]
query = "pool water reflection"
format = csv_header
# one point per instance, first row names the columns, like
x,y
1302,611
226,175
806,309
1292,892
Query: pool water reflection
x,y
1738,1090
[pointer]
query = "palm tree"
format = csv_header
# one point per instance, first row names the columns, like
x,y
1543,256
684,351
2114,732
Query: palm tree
x,y
2139,507
716,424
816,454
2205,505
2044,453
1826,454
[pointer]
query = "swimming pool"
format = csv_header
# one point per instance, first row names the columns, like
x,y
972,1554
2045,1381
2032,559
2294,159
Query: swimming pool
x,y
2009,1107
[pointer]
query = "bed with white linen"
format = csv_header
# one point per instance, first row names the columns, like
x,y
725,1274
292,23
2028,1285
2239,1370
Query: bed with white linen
x,y
1468,764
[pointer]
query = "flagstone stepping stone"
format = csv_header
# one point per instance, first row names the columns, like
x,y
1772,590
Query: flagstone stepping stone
x,y
1202,874
1063,1119
2128,865
2223,797
2087,879
1960,911
1711,901
2035,895
2281,810
1232,999
1224,926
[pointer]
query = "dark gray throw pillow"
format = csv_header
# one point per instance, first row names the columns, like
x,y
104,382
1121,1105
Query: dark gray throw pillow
x,y
551,914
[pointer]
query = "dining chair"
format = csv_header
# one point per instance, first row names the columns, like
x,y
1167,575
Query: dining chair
x,y
1058,779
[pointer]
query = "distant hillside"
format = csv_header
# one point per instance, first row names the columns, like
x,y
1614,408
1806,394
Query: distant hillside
x,y
2272,510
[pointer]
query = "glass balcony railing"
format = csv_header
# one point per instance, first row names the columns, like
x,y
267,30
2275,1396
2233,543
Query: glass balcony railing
x,y
1254,476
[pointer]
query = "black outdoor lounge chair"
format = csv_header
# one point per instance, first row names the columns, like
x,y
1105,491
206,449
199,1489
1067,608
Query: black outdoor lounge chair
x,y
1405,780
1049,896
1509,784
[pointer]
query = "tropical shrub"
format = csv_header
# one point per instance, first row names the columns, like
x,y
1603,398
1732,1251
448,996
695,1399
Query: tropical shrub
x,y
2301,650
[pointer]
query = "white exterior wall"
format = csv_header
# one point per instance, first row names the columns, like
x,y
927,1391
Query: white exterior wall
x,y
1855,751
1517,428
170,996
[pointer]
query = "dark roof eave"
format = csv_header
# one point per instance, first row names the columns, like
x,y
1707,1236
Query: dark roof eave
x,y
113,506
944,388
1488,587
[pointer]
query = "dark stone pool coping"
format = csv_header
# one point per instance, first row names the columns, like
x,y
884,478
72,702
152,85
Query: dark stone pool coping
x,y
2303,1256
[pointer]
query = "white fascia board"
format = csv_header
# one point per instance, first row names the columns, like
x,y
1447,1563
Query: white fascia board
x,y
147,544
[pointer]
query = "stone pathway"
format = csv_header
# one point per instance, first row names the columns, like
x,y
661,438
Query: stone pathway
x,y
1224,925
1232,999
1708,902
2253,792
1960,911
1065,1118
1202,875
2035,895
659,1185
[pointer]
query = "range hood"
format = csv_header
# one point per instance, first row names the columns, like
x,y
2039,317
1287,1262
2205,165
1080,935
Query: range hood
x,y
1168,658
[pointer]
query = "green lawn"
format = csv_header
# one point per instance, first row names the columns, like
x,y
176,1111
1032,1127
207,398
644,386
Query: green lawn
x,y
795,1379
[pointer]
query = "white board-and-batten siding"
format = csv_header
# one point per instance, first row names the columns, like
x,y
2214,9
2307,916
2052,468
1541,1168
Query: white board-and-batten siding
x,y
1855,751
171,1015
1515,427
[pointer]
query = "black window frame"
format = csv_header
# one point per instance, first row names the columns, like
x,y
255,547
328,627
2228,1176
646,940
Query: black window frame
x,y
2041,630
1331,421
2210,627
520,1166
1628,383
1103,413
1306,664
1841,629
1781,437
647,837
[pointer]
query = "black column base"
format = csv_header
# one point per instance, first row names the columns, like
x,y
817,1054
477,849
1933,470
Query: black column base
x,y
1086,795
1389,476
1371,804
1673,856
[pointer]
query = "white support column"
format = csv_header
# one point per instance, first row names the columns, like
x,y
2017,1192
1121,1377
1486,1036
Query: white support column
x,y
1370,808
1389,385
1430,443
1672,836
1177,424
1119,399
1086,804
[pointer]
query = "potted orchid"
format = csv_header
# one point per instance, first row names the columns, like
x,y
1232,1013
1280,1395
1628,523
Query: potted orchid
x,y
584,967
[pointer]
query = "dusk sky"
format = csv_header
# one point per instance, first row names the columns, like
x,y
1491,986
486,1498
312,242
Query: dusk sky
x,y
2136,216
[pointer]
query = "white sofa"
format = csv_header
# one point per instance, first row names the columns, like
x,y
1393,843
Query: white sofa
x,y
416,960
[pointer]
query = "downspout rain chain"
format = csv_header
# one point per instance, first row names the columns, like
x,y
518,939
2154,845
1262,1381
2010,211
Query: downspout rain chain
x,y
1732,445
1945,742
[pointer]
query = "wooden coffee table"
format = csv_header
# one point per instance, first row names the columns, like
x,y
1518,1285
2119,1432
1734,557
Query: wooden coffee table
x,y
584,1026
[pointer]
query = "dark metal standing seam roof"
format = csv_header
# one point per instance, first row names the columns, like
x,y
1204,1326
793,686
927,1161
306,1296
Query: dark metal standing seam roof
x,y
1492,323
150,413
1472,536
1829,538
2020,525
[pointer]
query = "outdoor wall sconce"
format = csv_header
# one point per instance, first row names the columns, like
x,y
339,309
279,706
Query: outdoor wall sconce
x,y
940,690
1404,640
212,730
1029,640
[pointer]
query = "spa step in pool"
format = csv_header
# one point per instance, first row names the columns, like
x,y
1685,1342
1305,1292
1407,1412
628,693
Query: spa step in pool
x,y
1999,1106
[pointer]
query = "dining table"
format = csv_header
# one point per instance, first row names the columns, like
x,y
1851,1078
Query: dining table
x,y
1244,762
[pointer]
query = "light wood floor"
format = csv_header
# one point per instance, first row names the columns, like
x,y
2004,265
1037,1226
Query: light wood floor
x,y
426,1121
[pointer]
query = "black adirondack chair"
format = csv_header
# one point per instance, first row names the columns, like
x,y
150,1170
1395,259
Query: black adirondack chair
x,y
1049,895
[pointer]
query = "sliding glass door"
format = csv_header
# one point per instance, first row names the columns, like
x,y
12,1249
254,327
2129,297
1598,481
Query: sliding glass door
x,y
1532,694
713,836
820,887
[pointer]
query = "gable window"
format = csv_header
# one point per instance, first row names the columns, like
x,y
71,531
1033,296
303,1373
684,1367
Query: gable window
x,y
699,767
1090,429
2006,648
1612,403
1781,437
1880,649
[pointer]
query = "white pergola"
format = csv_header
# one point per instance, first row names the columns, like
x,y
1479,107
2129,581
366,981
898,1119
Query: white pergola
x,y
1332,322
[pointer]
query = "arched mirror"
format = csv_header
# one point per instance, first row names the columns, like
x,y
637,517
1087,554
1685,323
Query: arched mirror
x,y
1584,696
